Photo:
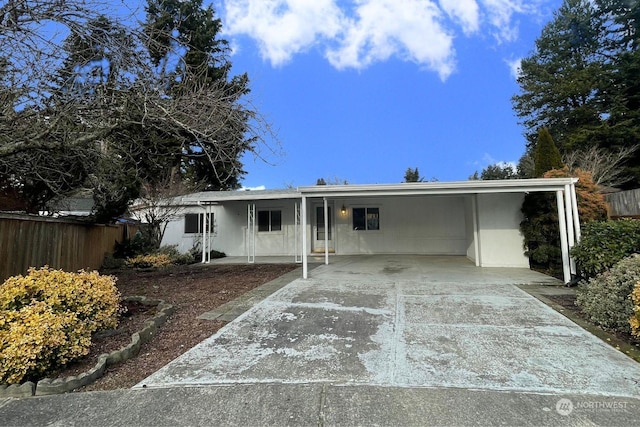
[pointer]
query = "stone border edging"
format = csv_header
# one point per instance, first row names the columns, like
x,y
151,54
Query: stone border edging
x,y
48,386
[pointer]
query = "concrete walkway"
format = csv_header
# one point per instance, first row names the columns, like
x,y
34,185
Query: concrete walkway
x,y
384,340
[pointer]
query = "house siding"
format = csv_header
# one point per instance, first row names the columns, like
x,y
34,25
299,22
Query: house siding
x,y
501,242
408,225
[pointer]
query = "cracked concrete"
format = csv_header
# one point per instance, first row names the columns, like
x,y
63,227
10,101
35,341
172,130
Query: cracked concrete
x,y
405,321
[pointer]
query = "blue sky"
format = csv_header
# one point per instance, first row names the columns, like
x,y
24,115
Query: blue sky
x,y
359,90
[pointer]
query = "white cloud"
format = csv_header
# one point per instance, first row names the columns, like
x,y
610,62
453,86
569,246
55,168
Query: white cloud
x,y
409,29
283,28
500,16
257,188
358,33
465,12
514,67
488,159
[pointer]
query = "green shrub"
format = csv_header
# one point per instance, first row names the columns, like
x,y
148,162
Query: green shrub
x,y
196,253
540,224
111,263
47,318
216,254
606,298
605,243
129,248
175,256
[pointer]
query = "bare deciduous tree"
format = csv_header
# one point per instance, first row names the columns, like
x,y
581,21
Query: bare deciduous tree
x,y
158,204
82,105
605,166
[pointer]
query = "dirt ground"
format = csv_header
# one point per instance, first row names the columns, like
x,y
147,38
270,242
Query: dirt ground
x,y
193,290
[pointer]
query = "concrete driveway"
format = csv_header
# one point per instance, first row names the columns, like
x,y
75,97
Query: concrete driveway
x,y
407,321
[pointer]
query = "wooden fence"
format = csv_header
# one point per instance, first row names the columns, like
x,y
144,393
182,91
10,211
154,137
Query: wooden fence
x,y
624,204
31,241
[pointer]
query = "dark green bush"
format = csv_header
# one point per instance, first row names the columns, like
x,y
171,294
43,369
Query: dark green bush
x,y
175,256
606,298
604,243
129,248
216,254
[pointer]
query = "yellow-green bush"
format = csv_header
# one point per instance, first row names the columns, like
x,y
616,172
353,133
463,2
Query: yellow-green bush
x,y
47,318
149,261
635,319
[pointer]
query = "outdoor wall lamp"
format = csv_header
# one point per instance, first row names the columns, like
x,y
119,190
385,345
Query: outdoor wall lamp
x,y
343,210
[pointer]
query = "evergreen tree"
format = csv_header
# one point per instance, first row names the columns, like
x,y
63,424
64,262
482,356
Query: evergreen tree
x,y
185,47
498,171
540,223
546,154
564,80
412,175
622,100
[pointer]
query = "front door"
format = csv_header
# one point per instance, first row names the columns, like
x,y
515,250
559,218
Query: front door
x,y
319,229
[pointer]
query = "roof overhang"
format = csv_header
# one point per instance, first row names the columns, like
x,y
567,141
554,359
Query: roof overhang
x,y
231,196
378,190
439,188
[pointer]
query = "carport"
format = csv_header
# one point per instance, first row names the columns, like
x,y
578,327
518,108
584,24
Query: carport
x,y
491,212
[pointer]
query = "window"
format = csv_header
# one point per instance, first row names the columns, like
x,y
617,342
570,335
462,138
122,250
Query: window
x,y
194,223
366,218
270,220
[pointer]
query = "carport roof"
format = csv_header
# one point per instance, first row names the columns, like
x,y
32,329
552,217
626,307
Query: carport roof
x,y
440,188
402,189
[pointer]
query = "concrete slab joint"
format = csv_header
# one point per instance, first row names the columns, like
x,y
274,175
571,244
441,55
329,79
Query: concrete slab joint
x,y
48,386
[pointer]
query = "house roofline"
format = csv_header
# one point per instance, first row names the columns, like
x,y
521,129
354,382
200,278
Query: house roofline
x,y
372,190
441,188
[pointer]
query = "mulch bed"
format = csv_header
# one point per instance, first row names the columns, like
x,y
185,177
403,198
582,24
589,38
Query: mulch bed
x,y
193,290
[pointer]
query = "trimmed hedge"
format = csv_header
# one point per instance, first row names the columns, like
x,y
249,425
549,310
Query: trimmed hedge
x,y
606,299
47,318
605,243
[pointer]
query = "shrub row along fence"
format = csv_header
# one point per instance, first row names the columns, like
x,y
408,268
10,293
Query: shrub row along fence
x,y
32,241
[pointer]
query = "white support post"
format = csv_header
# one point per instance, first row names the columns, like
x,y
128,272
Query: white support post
x,y
326,230
251,233
303,216
204,237
570,228
297,255
476,232
207,226
206,255
564,245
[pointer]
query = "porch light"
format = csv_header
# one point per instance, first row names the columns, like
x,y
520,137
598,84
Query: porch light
x,y
343,210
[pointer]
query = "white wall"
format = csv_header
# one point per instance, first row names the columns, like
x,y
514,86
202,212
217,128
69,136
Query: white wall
x,y
408,225
230,230
436,225
501,243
